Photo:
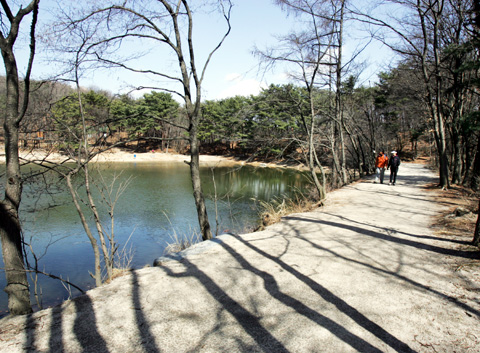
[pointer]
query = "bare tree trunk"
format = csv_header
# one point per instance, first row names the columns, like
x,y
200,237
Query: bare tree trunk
x,y
441,142
11,237
98,224
323,193
197,186
355,148
338,100
476,235
469,158
10,228
93,242
336,168
364,164
475,179
476,163
435,98
457,107
457,157
344,173
311,150
193,110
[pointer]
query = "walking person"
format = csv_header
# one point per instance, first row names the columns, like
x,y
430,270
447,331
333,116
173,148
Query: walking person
x,y
381,162
393,164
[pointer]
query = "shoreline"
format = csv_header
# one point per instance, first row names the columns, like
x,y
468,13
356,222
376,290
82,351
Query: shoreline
x,y
117,155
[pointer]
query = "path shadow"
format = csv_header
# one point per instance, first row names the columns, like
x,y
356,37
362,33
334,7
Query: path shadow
x,y
85,326
389,230
56,339
30,327
147,338
393,191
353,340
249,322
390,238
368,265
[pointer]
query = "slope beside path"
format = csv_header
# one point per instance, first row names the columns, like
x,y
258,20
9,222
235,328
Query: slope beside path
x,y
364,273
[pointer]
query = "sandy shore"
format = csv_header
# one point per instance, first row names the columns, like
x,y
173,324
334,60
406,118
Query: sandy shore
x,y
114,155
118,155
124,156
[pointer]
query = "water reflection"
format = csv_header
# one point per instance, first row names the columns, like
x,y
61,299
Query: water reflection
x,y
157,203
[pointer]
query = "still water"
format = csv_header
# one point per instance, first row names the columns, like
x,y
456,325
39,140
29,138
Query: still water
x,y
157,204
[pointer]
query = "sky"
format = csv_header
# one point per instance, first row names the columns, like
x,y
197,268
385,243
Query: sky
x,y
233,69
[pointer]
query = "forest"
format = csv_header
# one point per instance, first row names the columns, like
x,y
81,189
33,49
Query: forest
x,y
425,105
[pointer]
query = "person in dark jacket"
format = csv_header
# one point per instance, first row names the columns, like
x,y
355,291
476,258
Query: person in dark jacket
x,y
393,164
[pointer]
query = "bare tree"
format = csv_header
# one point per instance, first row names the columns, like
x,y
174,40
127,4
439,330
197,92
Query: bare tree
x,y
168,25
316,52
300,51
77,174
81,138
476,31
418,34
16,107
109,194
338,19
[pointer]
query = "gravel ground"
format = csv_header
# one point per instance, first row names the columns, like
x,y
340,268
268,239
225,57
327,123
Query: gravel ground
x,y
364,273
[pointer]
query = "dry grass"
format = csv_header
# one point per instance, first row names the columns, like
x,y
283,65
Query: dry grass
x,y
123,261
117,272
451,225
456,198
178,242
273,211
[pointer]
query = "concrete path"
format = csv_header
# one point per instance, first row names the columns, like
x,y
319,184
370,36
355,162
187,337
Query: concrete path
x,y
362,274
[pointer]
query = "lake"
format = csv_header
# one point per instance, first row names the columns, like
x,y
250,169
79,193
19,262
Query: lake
x,y
157,204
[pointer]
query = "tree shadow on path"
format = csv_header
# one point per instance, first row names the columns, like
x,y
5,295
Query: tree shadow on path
x,y
85,326
390,273
147,338
336,329
250,323
396,231
390,238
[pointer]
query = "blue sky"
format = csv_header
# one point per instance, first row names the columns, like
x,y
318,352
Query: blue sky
x,y
233,69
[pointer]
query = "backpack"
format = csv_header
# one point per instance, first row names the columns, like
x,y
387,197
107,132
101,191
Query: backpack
x,y
395,161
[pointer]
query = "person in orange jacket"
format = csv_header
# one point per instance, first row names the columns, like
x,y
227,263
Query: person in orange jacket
x,y
381,162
